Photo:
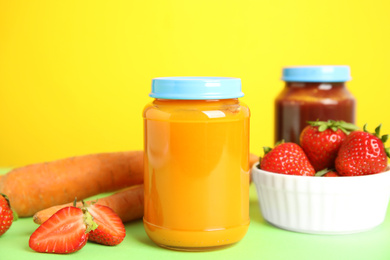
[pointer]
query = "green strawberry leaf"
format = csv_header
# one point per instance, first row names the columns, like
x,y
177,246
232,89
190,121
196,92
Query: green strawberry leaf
x,y
365,128
314,123
279,142
347,128
345,131
322,172
378,130
266,149
16,217
387,150
322,128
88,220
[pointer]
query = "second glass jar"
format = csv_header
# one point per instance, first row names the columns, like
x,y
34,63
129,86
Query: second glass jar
x,y
312,93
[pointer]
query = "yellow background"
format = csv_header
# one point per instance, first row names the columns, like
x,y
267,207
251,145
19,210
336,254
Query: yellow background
x,y
75,75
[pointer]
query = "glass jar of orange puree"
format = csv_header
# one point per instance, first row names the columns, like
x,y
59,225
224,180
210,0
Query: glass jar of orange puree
x,y
196,135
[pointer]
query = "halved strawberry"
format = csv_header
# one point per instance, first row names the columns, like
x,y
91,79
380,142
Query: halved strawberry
x,y
110,230
65,232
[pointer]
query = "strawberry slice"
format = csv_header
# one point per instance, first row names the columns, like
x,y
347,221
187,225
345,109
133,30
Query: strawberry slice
x,y
65,232
110,230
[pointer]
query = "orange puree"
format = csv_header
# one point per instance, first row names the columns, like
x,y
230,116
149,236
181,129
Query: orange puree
x,y
196,173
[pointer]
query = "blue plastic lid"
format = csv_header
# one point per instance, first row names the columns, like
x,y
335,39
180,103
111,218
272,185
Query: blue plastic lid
x,y
196,88
316,74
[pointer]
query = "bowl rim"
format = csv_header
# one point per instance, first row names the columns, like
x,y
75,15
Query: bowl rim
x,y
257,170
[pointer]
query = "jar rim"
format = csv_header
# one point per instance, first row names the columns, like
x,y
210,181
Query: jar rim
x,y
192,88
320,73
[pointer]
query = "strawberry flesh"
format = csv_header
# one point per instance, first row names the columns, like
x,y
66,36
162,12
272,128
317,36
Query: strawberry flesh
x,y
64,232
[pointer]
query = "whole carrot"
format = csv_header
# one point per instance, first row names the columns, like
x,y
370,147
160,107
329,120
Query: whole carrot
x,y
39,186
128,204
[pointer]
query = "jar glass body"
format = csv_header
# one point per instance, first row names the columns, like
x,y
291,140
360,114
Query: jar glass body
x,y
300,102
196,172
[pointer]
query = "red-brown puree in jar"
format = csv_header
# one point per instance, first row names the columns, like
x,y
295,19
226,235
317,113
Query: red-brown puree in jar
x,y
312,93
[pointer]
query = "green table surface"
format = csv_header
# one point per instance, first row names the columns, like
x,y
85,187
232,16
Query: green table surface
x,y
263,241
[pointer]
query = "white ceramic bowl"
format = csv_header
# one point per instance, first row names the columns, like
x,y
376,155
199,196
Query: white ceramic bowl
x,y
322,205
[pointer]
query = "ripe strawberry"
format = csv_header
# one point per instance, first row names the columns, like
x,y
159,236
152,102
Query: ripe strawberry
x,y
321,141
327,173
286,158
7,216
110,230
331,174
65,232
362,153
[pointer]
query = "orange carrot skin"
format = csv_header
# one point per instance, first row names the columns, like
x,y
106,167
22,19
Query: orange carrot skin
x,y
128,204
39,186
42,215
253,159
